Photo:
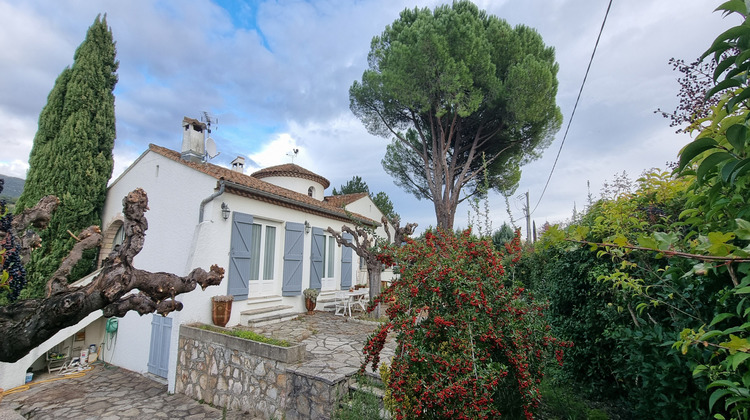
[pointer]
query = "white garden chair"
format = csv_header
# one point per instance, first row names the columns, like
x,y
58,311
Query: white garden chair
x,y
362,300
342,303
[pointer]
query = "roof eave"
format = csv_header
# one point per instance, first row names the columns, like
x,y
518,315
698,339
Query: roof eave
x,y
298,204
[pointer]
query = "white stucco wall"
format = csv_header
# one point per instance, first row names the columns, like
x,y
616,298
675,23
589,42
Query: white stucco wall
x,y
297,185
175,193
14,374
177,243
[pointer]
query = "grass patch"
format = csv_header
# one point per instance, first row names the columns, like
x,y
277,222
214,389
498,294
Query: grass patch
x,y
247,335
561,402
359,404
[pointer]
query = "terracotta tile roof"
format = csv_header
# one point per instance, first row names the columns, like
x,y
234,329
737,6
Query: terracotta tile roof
x,y
292,170
344,199
248,186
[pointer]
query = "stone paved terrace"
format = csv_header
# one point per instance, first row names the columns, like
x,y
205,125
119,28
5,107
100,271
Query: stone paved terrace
x,y
334,348
334,343
106,394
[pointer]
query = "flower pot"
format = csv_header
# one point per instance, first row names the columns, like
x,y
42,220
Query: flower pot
x,y
310,305
221,310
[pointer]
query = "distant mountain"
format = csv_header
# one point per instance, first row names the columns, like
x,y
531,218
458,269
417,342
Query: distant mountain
x,y
13,186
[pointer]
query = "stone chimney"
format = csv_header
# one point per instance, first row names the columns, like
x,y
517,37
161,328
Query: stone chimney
x,y
193,140
238,164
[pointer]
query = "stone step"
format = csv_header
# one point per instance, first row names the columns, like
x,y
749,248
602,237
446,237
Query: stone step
x,y
268,315
272,319
261,311
326,297
254,301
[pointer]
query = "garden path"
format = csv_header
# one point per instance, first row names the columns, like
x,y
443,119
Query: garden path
x,y
334,348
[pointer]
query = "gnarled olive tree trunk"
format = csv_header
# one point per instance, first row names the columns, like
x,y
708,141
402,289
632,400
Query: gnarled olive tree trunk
x,y
26,324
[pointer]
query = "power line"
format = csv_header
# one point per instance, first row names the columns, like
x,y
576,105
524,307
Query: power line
x,y
574,107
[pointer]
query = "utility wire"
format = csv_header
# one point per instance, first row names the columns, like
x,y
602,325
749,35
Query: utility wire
x,y
574,107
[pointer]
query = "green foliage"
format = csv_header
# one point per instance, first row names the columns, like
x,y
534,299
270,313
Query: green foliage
x,y
623,307
561,402
502,236
72,154
577,312
469,344
385,205
12,271
381,199
360,404
353,186
480,206
683,272
471,80
247,335
657,201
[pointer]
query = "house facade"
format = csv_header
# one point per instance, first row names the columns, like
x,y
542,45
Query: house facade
x,y
267,229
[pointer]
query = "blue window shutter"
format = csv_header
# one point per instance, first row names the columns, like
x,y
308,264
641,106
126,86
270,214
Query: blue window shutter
x,y
294,244
161,333
239,255
346,263
316,257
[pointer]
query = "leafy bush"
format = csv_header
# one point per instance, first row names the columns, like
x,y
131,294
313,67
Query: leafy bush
x,y
578,312
469,345
360,404
623,308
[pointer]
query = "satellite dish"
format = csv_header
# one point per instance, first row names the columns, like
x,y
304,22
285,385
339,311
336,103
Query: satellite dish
x,y
211,148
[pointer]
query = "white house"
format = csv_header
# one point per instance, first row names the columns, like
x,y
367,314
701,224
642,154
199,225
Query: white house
x,y
266,229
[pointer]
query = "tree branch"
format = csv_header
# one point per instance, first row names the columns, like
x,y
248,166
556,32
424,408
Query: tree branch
x,y
26,324
89,238
37,217
400,233
668,253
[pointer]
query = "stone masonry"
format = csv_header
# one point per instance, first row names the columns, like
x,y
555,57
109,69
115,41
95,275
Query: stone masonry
x,y
256,378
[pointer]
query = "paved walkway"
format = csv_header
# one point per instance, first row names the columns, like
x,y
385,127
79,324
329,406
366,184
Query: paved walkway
x,y
334,348
106,394
334,343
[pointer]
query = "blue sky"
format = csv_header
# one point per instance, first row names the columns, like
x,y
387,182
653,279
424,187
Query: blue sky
x,y
276,74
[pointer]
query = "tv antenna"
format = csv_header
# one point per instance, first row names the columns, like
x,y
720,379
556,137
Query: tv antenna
x,y
293,154
210,143
209,120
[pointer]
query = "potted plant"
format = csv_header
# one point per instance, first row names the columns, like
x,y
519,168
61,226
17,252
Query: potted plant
x,y
311,299
221,309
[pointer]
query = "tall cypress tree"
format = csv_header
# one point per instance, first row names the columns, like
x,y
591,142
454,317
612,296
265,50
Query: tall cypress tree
x,y
72,154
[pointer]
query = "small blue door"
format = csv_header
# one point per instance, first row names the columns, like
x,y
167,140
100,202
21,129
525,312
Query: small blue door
x,y
346,263
158,357
293,251
316,258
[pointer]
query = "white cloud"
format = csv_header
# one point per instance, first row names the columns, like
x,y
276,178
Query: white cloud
x,y
178,59
279,151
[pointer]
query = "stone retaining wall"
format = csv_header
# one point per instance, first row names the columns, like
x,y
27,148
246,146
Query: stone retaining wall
x,y
252,377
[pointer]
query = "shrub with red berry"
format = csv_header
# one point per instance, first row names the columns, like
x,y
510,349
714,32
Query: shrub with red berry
x,y
468,346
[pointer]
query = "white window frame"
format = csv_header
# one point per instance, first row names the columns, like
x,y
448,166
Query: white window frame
x,y
329,257
258,271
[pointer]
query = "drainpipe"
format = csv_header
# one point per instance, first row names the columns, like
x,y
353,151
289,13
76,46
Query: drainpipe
x,y
209,198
